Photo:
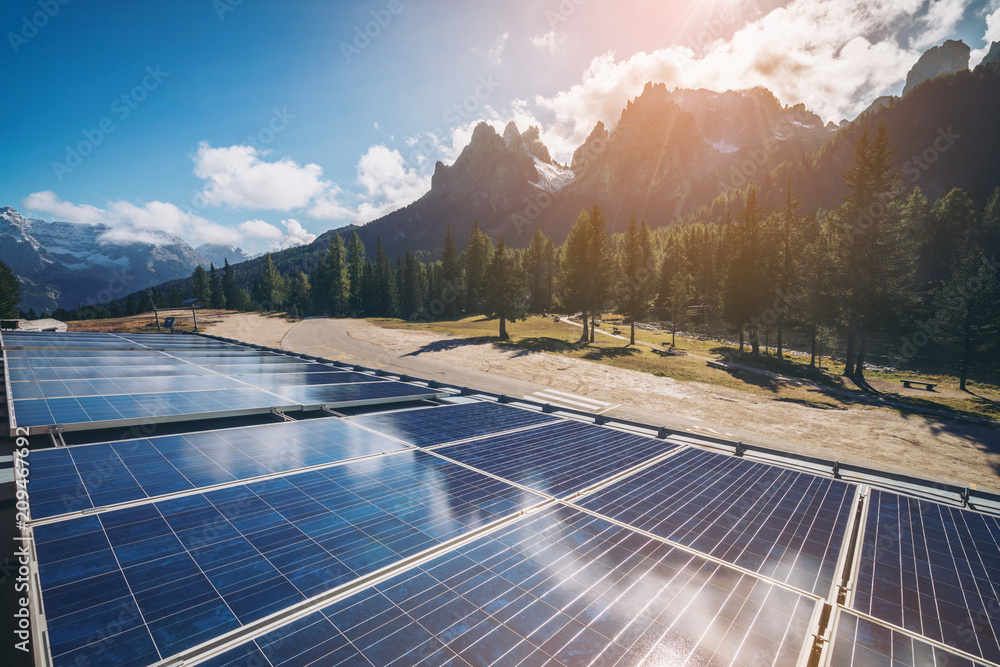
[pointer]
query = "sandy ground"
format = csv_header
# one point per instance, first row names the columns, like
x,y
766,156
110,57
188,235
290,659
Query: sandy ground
x,y
943,449
252,328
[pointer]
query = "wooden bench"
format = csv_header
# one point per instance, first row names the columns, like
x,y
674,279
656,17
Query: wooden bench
x,y
929,386
616,331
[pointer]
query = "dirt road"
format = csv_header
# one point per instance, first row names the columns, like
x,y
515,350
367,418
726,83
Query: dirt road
x,y
942,449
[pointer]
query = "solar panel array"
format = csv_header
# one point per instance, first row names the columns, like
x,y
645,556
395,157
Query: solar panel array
x,y
461,532
90,381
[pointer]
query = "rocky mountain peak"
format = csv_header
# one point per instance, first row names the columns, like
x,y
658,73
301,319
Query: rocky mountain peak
x,y
952,56
993,57
533,144
512,136
489,170
591,148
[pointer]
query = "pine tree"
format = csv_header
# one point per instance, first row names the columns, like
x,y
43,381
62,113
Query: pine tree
x,y
411,288
229,286
681,293
300,295
272,287
504,296
218,295
538,267
355,276
787,259
636,284
10,292
746,292
573,273
338,284
878,257
451,277
477,259
384,284
601,263
200,284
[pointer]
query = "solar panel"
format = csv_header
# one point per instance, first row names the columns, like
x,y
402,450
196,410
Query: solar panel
x,y
353,393
933,570
783,524
560,458
186,570
860,641
70,479
98,411
559,587
434,426
137,385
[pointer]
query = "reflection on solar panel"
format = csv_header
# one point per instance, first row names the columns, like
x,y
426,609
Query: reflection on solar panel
x,y
554,586
79,387
183,571
96,411
786,525
451,533
860,641
933,570
434,426
558,459
74,478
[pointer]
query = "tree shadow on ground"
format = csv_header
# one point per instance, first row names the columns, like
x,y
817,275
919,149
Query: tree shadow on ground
x,y
598,353
450,344
541,344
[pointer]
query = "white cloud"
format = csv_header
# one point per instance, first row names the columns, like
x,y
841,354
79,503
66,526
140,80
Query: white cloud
x,y
494,53
258,229
939,22
388,181
295,235
47,202
553,42
154,222
238,177
835,56
991,35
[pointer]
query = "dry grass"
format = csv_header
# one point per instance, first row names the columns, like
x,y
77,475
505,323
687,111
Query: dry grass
x,y
825,389
146,322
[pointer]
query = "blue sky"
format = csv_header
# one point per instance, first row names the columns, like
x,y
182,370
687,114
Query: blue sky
x,y
261,123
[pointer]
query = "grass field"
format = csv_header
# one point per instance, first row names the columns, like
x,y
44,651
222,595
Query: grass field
x,y
825,389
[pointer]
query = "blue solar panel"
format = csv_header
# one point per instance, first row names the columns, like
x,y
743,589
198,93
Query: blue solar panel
x,y
328,376
138,385
783,524
433,426
198,566
934,570
49,411
359,392
105,372
860,641
69,479
559,587
560,458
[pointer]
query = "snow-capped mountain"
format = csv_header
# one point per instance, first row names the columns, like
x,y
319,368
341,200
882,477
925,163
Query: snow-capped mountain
x,y
62,264
219,254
